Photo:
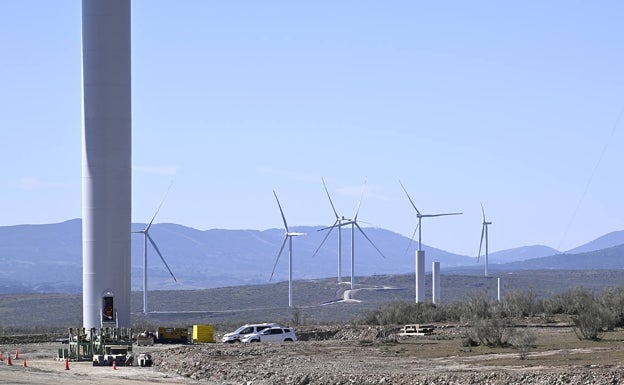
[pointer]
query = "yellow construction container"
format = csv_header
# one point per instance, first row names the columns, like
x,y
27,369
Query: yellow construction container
x,y
203,333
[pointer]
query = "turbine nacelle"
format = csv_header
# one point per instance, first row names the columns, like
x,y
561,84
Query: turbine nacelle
x,y
419,215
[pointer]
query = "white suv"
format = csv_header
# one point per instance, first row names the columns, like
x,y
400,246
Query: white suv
x,y
245,330
273,334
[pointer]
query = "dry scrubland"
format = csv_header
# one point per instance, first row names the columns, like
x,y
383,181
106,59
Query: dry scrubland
x,y
532,337
350,355
241,304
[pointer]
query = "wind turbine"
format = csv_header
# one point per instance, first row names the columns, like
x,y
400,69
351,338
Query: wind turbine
x,y
354,224
337,223
484,232
147,237
420,217
420,259
287,237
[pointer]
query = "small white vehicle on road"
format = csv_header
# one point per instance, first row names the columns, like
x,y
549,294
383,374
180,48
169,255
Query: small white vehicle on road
x,y
245,330
273,334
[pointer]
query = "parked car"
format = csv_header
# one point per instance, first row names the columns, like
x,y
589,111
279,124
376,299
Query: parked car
x,y
245,330
272,334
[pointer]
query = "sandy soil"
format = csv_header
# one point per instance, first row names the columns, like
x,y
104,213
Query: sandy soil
x,y
43,369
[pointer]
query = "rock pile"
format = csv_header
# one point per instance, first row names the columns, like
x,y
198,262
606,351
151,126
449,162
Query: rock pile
x,y
338,356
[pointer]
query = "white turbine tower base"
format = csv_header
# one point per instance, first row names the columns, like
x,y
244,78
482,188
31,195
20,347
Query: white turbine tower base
x,y
287,237
435,282
420,276
106,163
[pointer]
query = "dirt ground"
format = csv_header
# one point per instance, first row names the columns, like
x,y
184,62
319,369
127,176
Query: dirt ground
x,y
341,355
43,369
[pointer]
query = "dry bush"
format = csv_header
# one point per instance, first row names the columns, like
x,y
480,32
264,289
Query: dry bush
x,y
492,332
403,312
476,306
523,341
591,322
519,303
612,300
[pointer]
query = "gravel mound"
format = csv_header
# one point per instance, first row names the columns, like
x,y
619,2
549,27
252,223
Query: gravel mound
x,y
349,355
263,364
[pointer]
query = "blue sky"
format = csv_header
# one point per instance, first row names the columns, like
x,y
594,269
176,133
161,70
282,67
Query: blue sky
x,y
513,104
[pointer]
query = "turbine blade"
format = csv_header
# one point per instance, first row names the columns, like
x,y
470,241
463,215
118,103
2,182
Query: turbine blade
x,y
337,223
439,215
366,236
481,243
410,198
281,211
360,203
278,256
483,211
330,200
411,240
332,226
324,239
160,255
159,206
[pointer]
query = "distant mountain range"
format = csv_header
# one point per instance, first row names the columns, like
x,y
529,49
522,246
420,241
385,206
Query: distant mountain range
x,y
48,258
520,254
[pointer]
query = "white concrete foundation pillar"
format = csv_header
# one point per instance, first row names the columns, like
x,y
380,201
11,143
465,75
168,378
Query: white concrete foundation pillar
x,y
499,280
435,282
420,276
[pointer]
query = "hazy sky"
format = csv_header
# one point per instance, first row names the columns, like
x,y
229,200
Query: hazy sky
x,y
514,104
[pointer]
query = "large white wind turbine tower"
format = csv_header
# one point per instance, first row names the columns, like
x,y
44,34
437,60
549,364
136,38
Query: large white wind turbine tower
x,y
106,163
354,224
337,223
484,234
420,254
287,237
147,237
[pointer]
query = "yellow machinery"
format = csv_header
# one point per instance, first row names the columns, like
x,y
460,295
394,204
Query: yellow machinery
x,y
203,333
172,335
